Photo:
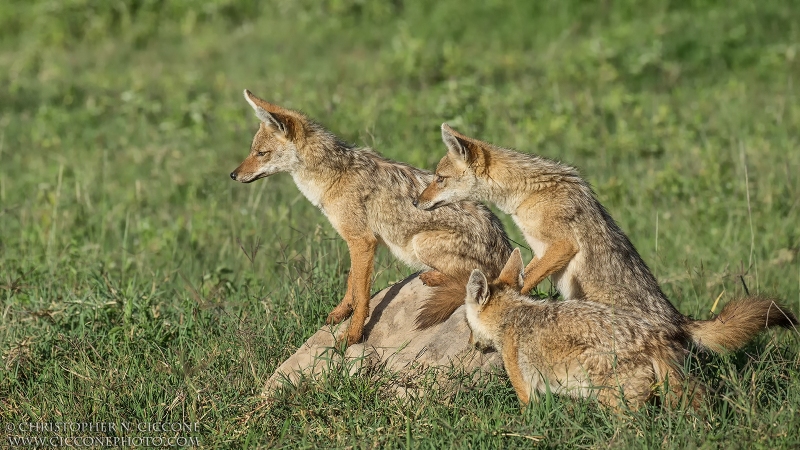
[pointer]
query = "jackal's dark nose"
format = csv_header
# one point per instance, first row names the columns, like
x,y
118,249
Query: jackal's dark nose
x,y
415,202
233,175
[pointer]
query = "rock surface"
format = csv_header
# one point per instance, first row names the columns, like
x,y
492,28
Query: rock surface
x,y
391,340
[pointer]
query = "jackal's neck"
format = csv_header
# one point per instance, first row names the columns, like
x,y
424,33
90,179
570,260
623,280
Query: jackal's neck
x,y
322,162
511,177
313,188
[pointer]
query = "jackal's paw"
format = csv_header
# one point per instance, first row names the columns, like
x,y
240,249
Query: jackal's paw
x,y
347,339
339,314
432,278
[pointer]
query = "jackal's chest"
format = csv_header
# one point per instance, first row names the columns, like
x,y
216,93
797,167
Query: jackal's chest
x,y
312,191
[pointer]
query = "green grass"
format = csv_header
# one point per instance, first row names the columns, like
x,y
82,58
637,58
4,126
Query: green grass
x,y
129,285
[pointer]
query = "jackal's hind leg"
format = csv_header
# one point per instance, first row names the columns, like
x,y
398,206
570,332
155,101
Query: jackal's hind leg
x,y
440,251
621,399
684,392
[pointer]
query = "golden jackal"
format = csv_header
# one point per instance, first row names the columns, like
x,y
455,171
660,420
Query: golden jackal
x,y
368,200
573,237
583,348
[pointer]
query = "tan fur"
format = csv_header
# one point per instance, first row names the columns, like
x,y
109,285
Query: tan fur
x,y
510,355
590,349
368,200
738,322
557,257
575,240
449,296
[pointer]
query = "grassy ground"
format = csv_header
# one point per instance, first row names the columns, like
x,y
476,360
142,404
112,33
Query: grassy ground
x,y
139,284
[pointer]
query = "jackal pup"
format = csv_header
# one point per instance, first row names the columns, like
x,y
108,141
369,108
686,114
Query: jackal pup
x,y
583,348
368,200
573,237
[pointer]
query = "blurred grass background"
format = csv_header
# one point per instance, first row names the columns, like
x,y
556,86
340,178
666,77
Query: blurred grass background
x,y
139,283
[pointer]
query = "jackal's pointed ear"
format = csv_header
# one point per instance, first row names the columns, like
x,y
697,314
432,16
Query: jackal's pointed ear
x,y
477,288
511,274
460,148
272,115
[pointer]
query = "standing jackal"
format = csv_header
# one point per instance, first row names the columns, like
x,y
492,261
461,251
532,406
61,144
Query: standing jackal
x,y
368,200
573,237
583,348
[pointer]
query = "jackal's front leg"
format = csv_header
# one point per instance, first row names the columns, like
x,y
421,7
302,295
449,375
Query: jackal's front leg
x,y
359,281
510,357
344,308
555,258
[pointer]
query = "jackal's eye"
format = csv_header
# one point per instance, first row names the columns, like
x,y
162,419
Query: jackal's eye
x,y
261,153
439,179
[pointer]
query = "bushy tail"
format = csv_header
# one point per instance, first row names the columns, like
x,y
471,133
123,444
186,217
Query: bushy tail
x,y
446,298
740,321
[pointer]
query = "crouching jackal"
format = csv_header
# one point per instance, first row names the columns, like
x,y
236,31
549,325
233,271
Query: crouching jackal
x,y
583,348
368,200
